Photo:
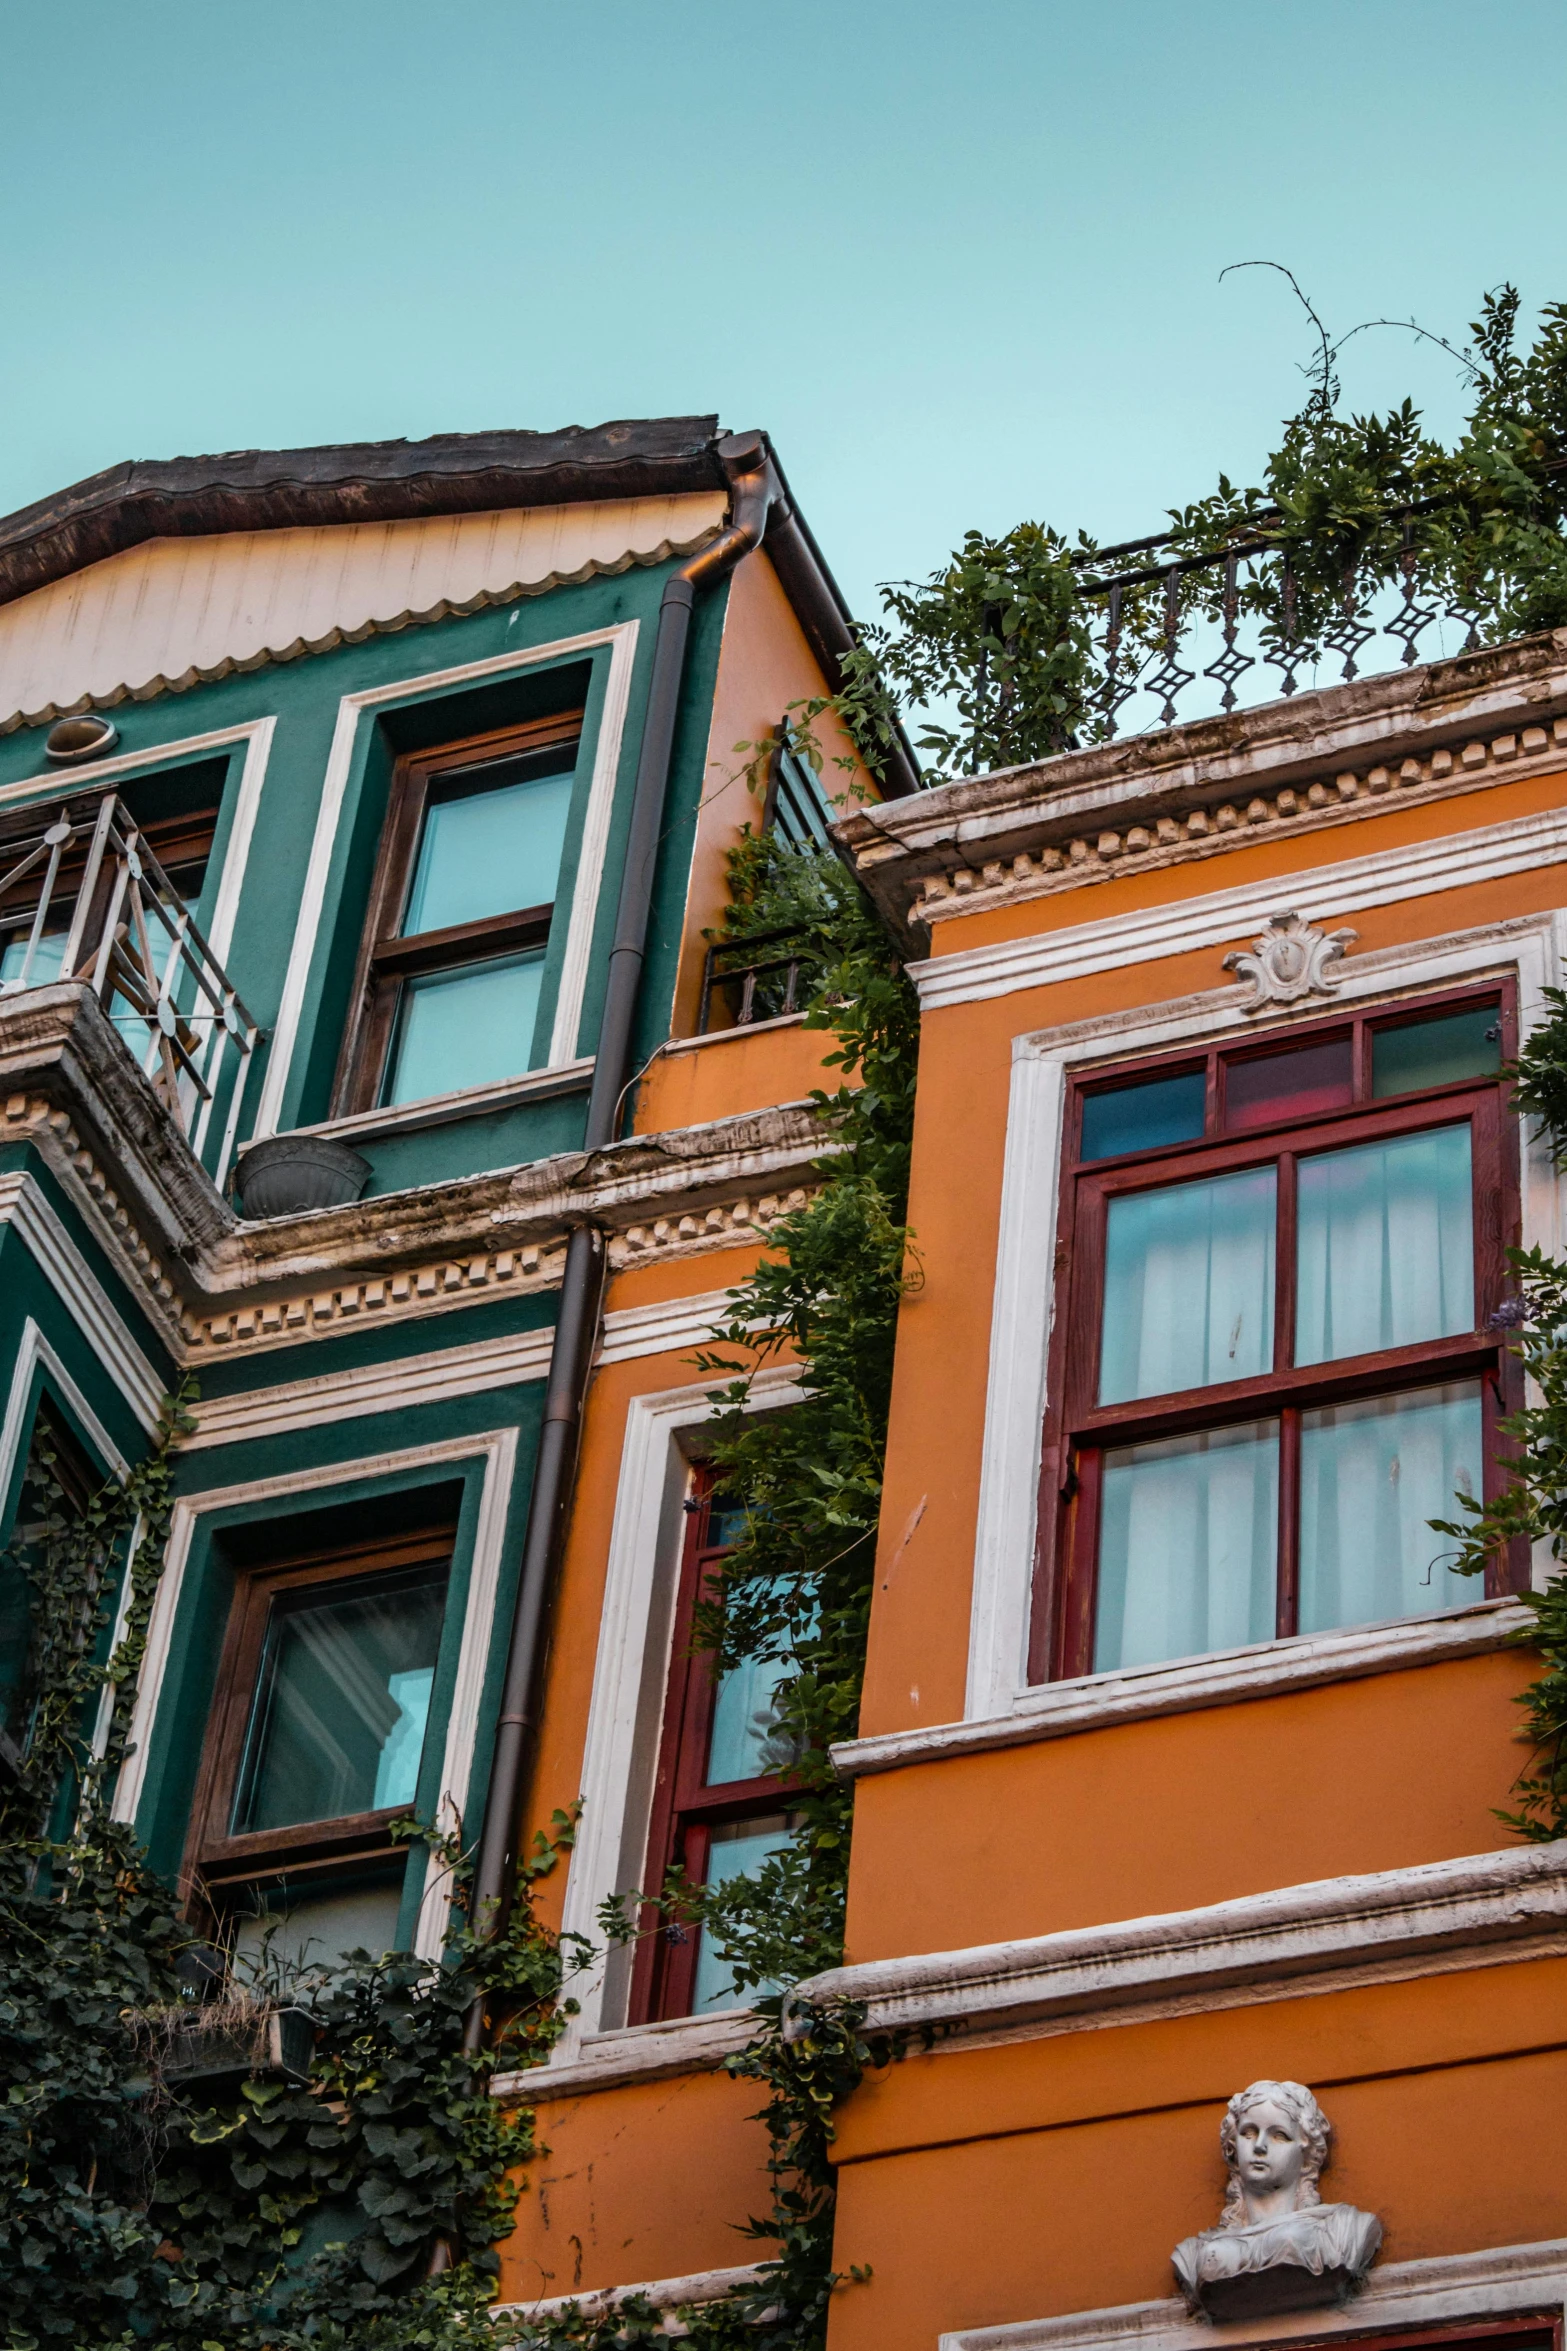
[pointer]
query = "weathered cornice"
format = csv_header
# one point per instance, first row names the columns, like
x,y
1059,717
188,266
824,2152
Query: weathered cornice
x,y
1184,793
1216,1954
213,1282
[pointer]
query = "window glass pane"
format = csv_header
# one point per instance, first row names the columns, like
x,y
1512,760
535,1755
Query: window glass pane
x,y
1385,1246
342,1700
1371,1476
1298,1084
743,1743
1144,1117
737,1850
493,847
1188,1539
1188,1286
469,1027
48,957
318,1930
1438,1052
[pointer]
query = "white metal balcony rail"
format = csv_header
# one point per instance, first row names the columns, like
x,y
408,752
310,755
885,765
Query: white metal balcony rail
x,y
85,899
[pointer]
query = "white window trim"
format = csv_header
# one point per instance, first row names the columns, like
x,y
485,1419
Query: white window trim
x,y
497,1449
1532,950
24,1203
622,641
630,1675
34,1352
256,735
1441,2290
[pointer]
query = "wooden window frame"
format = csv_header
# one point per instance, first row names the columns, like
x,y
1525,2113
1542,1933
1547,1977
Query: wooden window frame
x,y
177,843
685,1808
386,959
1077,1430
218,1864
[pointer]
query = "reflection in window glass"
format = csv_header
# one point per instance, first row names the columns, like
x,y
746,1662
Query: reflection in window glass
x,y
737,1851
342,1701
318,1930
1188,1538
1301,1083
1385,1246
1188,1286
1144,1117
744,1742
1440,1052
48,957
1372,1475
470,1027
491,848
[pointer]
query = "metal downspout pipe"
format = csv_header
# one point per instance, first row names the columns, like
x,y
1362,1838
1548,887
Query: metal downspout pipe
x,y
745,461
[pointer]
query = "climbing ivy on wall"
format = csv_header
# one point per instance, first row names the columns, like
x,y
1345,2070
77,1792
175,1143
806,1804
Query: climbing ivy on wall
x,y
138,2205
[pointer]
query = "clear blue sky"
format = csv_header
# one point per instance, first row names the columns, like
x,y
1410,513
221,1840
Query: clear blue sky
x,y
963,262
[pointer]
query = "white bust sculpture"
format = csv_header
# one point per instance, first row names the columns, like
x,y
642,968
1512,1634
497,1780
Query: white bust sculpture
x,y
1277,2246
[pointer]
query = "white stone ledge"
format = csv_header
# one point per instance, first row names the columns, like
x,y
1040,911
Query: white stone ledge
x,y
637,2053
437,1110
1476,1903
1504,2281
703,2285
1094,1702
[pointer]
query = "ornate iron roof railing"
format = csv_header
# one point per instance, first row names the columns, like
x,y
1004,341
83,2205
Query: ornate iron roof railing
x,y
85,899
1269,600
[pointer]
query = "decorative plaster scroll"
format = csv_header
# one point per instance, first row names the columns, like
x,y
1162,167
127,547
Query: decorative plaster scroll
x,y
1481,1900
1443,2290
1291,960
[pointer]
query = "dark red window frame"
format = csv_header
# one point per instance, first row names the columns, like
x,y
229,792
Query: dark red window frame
x,y
1077,1430
685,1808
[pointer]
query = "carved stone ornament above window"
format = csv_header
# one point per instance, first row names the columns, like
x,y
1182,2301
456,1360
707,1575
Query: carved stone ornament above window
x,y
1291,960
1277,2246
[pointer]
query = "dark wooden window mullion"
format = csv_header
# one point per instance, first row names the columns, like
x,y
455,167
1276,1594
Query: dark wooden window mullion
x,y
1284,1284
1287,1612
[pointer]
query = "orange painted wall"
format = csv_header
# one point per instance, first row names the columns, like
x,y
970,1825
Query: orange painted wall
x,y
919,1637
642,2182
764,665
736,1071
1153,1816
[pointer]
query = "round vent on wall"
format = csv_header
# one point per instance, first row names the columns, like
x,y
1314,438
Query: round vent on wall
x,y
70,739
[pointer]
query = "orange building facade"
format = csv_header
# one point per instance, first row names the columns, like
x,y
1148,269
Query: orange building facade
x,y
1182,1747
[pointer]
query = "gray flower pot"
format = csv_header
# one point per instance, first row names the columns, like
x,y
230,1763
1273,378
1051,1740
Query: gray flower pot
x,y
288,1174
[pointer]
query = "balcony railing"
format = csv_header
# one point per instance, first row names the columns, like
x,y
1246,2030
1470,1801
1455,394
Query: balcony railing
x,y
84,899
762,977
1175,633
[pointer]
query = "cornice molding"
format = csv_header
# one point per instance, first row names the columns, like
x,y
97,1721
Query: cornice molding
x,y
636,2053
1149,934
214,1287
1444,2289
1272,1669
1474,1904
1191,792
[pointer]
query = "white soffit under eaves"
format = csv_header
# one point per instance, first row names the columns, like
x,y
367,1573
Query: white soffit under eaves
x,y
178,609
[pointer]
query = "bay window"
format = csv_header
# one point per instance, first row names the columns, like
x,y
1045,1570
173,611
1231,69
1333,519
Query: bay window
x,y
1272,1365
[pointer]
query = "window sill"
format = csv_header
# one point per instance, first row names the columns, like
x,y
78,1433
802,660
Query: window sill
x,y
636,2053
751,1028
1094,1702
535,1085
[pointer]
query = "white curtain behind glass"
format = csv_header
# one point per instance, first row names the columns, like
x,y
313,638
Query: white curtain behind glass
x,y
1386,1246
1188,1537
1372,1477
1188,1286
